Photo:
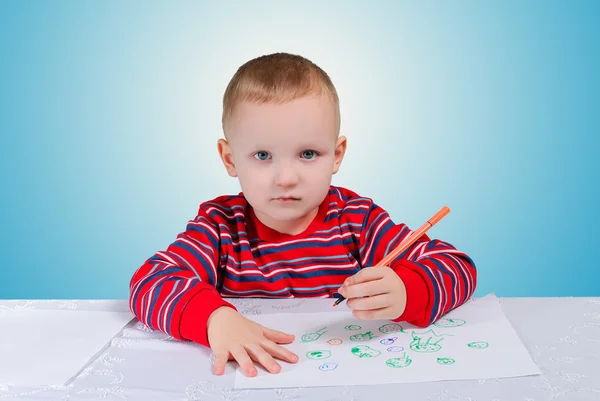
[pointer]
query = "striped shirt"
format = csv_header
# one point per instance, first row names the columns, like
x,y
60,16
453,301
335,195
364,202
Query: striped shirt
x,y
226,251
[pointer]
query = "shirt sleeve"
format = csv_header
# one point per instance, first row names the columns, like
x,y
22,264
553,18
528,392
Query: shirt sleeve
x,y
175,290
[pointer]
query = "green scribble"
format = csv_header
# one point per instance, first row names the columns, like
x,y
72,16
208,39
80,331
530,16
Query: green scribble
x,y
478,345
364,351
322,354
313,336
421,342
391,328
446,322
401,362
362,336
353,327
445,361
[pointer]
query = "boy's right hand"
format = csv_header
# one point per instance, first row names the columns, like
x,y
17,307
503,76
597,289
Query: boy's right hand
x,y
233,336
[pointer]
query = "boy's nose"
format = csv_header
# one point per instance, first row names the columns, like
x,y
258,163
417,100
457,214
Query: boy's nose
x,y
286,176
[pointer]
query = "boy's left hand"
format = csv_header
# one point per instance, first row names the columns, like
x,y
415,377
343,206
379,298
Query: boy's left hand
x,y
375,293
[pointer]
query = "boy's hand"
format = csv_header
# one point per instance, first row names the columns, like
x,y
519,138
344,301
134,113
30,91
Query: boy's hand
x,y
375,293
232,336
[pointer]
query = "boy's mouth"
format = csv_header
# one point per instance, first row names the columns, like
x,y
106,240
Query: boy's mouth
x,y
287,199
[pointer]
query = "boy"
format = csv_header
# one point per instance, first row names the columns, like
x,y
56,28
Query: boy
x,y
289,233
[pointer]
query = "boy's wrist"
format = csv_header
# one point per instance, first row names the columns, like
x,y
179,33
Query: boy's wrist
x,y
195,316
215,315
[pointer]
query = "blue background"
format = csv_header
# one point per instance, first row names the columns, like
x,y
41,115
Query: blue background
x,y
110,113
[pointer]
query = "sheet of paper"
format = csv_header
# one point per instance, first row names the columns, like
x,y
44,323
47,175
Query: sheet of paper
x,y
48,347
474,341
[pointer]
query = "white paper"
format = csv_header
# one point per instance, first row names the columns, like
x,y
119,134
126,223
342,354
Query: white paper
x,y
48,347
482,345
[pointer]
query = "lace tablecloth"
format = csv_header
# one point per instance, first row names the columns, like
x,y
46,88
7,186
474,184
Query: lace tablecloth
x,y
561,334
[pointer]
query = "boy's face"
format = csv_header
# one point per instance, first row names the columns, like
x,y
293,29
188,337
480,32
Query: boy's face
x,y
284,156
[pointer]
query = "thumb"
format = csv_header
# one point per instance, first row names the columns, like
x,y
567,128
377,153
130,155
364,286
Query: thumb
x,y
277,336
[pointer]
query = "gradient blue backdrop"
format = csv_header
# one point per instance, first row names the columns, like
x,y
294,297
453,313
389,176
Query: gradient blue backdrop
x,y
110,113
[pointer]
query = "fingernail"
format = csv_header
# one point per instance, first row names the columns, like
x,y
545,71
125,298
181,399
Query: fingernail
x,y
294,358
252,372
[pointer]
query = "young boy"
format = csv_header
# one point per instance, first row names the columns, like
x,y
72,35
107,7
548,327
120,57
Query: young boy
x,y
289,233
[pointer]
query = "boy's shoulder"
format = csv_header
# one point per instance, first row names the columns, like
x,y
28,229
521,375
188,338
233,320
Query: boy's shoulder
x,y
224,208
346,199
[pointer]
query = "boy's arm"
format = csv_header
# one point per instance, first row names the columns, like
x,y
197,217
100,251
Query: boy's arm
x,y
437,276
174,291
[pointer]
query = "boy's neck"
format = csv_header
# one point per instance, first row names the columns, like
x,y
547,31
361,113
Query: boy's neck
x,y
289,227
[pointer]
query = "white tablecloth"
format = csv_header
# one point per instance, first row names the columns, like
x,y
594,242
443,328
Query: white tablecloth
x,y
561,334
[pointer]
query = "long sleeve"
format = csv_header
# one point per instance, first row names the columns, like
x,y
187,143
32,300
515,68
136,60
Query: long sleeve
x,y
174,291
437,276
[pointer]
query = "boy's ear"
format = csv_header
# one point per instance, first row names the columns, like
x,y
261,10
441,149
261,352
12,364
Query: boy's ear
x,y
340,150
227,157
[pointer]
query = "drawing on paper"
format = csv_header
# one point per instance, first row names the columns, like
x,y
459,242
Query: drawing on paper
x,y
313,336
321,354
364,351
422,342
362,336
446,322
401,362
287,307
388,341
391,328
339,349
326,367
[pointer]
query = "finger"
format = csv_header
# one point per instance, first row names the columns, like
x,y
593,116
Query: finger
x,y
366,274
277,336
221,358
374,314
366,289
242,358
370,303
280,352
264,358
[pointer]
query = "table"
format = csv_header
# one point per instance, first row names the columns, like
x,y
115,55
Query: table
x,y
561,334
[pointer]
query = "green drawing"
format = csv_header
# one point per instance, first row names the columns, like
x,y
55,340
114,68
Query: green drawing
x,y
431,333
402,362
353,327
391,328
313,336
445,361
364,351
323,354
418,345
445,322
362,336
478,345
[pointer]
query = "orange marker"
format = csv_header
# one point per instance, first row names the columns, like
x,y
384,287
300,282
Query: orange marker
x,y
408,241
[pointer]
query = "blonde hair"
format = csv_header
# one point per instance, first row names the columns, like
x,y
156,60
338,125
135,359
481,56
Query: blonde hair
x,y
277,78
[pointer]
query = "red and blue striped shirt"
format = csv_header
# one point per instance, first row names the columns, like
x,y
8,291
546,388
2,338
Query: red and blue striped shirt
x,y
227,252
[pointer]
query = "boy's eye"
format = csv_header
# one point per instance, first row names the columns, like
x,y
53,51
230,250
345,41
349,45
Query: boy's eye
x,y
262,155
309,154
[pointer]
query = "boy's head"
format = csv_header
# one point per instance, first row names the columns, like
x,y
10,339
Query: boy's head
x,y
281,122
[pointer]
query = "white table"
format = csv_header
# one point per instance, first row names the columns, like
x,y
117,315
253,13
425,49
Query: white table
x,y
562,335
